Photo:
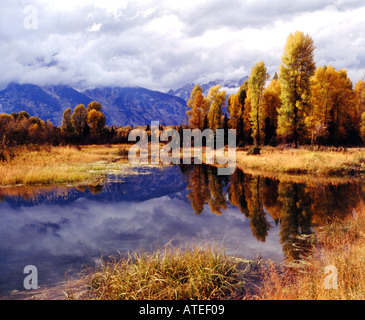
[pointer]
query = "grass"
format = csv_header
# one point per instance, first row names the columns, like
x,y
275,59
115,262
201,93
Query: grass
x,y
204,273
57,165
169,274
304,161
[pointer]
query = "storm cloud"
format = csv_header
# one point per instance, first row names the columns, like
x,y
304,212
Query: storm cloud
x,y
165,44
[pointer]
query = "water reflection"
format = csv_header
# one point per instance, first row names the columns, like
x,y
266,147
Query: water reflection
x,y
295,207
58,227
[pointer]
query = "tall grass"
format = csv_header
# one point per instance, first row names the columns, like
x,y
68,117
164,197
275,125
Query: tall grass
x,y
167,274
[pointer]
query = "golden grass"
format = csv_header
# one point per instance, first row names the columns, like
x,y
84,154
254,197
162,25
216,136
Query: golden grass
x,y
303,161
56,165
169,274
339,244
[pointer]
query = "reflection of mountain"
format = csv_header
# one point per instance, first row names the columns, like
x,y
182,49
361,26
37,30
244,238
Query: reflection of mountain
x,y
153,183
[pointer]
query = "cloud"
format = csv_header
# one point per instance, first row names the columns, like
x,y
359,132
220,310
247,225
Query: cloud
x,y
164,44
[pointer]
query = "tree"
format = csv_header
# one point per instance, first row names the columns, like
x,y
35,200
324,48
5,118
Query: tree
x,y
256,85
236,111
360,106
96,121
67,127
79,119
332,117
295,71
271,103
93,105
198,108
217,100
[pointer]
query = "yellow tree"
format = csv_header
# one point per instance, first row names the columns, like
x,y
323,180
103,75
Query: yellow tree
x,y
96,121
67,127
360,106
217,99
198,108
256,85
297,67
271,103
79,119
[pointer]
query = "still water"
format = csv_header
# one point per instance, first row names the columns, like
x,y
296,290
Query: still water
x,y
60,229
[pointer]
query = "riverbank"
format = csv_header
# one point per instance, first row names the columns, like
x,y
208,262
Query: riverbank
x,y
48,165
339,162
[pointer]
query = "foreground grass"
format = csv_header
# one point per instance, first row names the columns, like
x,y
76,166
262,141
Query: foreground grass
x,y
57,165
168,274
205,273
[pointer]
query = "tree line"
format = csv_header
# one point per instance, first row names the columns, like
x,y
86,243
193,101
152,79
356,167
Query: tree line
x,y
302,104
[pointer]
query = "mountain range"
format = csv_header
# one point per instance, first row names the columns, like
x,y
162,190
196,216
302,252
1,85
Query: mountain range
x,y
122,106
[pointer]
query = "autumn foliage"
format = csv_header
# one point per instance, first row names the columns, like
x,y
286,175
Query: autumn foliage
x,y
302,104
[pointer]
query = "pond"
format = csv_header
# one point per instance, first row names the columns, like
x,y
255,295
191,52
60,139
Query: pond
x,y
60,229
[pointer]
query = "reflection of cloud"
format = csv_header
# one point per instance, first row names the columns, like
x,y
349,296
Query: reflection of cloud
x,y
84,229
165,44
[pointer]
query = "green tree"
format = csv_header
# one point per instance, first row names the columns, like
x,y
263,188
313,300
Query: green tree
x,y
295,72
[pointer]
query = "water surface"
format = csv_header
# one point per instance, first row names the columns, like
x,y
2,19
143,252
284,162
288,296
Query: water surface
x,y
60,229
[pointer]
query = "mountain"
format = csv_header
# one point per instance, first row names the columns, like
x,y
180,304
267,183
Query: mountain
x,y
136,106
122,106
231,86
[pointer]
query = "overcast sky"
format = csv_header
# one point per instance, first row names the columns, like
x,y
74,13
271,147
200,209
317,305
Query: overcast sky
x,y
163,45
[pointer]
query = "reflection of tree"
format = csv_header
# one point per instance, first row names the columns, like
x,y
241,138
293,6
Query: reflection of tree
x,y
296,219
217,200
295,206
198,185
258,222
96,189
236,191
333,201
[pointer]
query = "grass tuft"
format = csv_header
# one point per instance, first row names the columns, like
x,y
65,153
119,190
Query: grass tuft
x,y
167,274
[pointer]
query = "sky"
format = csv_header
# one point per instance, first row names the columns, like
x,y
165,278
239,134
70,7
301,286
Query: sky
x,y
162,45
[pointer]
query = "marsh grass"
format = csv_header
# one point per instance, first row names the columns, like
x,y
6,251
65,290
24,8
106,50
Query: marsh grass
x,y
340,244
199,273
304,161
55,165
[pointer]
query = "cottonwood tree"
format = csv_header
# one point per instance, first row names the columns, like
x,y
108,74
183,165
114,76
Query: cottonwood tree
x,y
198,108
96,121
217,99
271,103
297,67
79,119
256,85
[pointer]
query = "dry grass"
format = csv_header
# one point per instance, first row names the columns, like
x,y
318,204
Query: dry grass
x,y
303,161
54,165
340,244
169,274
